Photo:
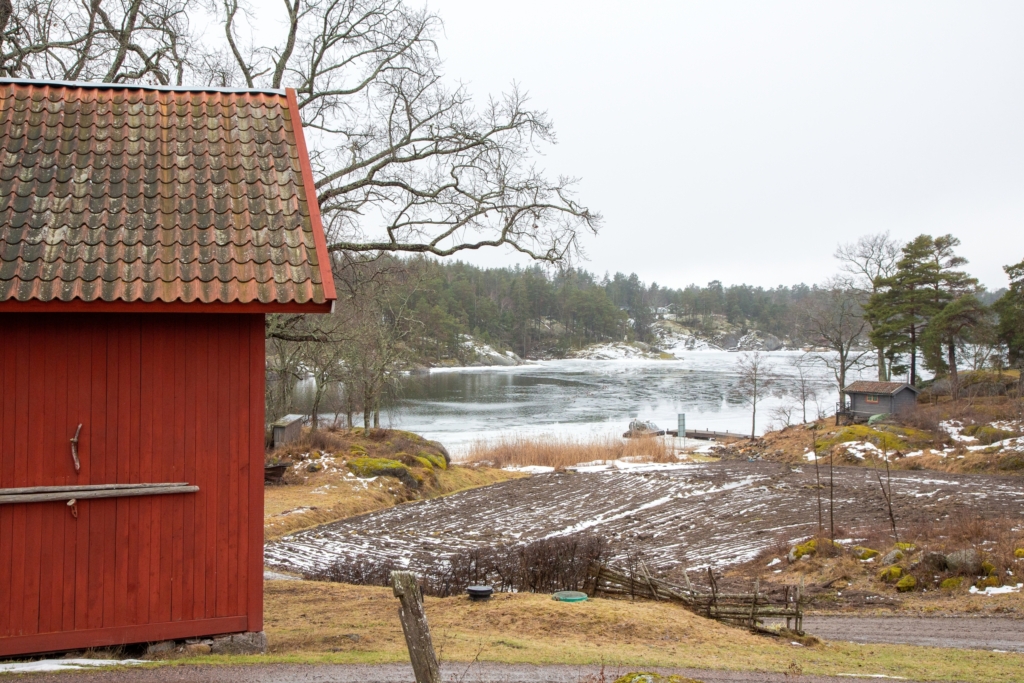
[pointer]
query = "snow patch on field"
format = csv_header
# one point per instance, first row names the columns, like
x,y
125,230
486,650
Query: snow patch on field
x,y
997,590
47,665
530,469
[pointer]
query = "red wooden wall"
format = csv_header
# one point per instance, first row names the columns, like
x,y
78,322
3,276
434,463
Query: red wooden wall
x,y
162,398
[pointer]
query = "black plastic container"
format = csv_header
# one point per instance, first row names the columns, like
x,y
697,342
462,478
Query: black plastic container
x,y
480,592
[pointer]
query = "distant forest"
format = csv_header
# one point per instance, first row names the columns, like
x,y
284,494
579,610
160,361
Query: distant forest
x,y
537,311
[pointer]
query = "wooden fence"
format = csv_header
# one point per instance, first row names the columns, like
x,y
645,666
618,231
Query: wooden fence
x,y
741,609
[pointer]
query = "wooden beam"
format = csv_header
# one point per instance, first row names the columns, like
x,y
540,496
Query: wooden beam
x,y
101,493
88,487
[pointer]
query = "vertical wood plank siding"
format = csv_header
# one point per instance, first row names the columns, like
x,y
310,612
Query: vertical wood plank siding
x,y
161,398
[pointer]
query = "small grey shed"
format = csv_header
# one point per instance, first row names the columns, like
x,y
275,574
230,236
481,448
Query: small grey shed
x,y
876,398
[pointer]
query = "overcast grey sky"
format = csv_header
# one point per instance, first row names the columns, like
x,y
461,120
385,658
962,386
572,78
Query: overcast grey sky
x,y
742,141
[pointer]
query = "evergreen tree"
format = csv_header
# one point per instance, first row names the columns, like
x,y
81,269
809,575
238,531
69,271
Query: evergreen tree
x,y
1010,308
958,323
926,280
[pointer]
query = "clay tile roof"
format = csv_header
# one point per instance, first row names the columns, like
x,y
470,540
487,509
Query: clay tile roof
x,y
862,387
135,194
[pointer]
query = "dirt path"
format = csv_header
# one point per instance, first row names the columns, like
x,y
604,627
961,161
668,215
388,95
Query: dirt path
x,y
678,515
988,633
395,673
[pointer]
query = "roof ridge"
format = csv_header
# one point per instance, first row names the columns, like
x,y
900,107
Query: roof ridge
x,y
138,86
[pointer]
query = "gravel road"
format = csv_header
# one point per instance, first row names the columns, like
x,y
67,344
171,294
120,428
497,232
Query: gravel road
x,y
977,633
394,673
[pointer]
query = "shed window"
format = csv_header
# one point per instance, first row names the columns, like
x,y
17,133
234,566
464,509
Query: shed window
x,y
871,398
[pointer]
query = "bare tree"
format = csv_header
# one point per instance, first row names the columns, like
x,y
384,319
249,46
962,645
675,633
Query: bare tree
x,y
113,41
833,316
866,261
405,163
804,383
756,379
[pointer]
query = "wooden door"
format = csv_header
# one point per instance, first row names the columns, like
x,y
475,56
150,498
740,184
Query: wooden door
x,y
161,398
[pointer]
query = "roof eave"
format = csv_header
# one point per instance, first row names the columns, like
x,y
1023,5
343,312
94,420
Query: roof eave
x,y
79,306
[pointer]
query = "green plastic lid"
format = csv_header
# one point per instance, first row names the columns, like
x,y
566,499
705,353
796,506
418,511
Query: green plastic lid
x,y
569,596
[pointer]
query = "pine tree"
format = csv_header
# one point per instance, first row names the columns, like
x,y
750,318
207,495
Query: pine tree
x,y
926,280
1010,308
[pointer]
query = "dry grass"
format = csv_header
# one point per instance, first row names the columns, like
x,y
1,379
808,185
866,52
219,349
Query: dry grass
x,y
323,622
517,450
832,573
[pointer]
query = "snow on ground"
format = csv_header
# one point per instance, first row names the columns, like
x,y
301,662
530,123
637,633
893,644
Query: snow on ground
x,y
46,665
530,469
997,590
955,430
615,351
486,355
679,515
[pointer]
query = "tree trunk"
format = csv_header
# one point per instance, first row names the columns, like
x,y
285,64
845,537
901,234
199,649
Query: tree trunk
x,y
954,379
883,376
913,355
367,409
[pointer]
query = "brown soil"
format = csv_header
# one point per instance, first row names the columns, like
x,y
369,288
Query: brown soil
x,y
728,514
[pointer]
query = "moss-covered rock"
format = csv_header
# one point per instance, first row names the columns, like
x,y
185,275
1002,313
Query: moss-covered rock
x,y
434,459
383,467
952,583
987,568
987,434
650,677
862,553
1019,553
906,584
891,574
905,547
989,582
357,449
893,556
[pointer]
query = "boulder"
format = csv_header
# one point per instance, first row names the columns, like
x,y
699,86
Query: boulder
x,y
162,647
964,561
249,643
892,557
933,562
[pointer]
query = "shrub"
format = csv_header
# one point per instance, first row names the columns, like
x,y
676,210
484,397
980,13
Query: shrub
x,y
1019,553
1012,462
988,582
951,583
987,568
545,566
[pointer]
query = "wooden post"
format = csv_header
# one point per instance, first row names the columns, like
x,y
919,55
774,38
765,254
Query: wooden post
x,y
414,624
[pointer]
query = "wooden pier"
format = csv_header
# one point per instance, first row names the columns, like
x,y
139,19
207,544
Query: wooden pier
x,y
706,435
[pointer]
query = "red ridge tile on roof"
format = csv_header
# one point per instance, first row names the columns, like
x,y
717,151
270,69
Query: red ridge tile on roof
x,y
128,194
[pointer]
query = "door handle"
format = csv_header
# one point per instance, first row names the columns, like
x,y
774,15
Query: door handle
x,y
74,449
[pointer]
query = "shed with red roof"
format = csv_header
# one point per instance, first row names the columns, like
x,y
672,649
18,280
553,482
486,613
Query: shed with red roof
x,y
145,233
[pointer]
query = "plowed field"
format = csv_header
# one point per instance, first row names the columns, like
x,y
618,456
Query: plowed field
x,y
679,516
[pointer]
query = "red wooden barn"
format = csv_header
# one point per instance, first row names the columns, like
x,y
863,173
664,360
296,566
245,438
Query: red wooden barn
x,y
144,234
